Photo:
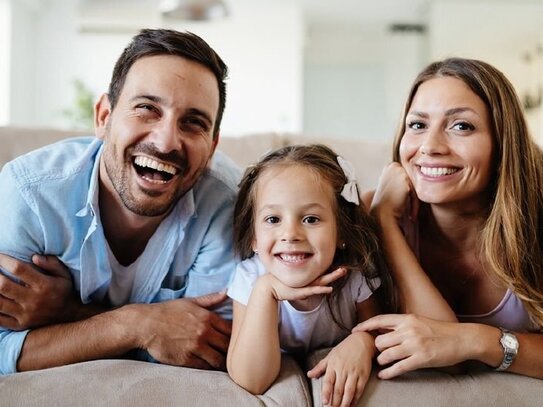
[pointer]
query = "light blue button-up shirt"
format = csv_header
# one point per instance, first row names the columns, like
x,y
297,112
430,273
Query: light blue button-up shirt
x,y
49,205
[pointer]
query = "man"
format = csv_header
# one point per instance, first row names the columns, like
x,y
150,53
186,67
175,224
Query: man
x,y
140,215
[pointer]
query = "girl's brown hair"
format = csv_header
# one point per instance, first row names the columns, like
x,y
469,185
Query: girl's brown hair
x,y
512,237
356,229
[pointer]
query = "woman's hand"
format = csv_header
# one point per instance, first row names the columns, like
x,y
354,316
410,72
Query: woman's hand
x,y
282,292
346,370
413,342
394,194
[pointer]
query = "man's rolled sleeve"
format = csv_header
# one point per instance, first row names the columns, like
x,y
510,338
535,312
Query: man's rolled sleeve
x,y
11,343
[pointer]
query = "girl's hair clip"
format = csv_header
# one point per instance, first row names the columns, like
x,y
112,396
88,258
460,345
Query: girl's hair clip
x,y
350,190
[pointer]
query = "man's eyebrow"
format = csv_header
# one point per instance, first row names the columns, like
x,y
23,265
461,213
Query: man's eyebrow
x,y
152,98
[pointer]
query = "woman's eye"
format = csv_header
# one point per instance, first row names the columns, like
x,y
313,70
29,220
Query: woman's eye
x,y
271,219
311,219
415,125
463,126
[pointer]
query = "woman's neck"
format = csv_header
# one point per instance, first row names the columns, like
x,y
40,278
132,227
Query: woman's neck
x,y
458,229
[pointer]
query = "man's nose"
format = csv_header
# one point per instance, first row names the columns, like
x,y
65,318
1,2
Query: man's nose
x,y
167,136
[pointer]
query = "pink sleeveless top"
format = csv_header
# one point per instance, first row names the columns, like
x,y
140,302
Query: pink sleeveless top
x,y
509,313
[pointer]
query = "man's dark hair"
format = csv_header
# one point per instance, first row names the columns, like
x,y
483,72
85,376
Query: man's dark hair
x,y
151,42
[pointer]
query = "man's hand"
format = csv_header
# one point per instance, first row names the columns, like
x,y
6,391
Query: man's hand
x,y
185,332
38,298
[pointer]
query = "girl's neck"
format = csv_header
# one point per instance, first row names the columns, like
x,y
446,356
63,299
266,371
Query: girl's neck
x,y
307,304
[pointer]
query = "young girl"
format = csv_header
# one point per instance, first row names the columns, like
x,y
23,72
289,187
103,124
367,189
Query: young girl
x,y
311,260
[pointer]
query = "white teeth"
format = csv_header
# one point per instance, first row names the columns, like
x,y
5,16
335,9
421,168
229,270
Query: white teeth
x,y
292,258
155,165
437,172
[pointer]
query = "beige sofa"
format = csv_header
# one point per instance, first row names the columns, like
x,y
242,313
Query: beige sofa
x,y
133,383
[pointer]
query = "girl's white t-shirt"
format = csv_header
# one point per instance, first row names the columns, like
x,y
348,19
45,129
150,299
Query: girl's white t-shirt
x,y
302,331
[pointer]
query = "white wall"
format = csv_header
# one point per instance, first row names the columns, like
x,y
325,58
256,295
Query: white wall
x,y
497,32
5,50
356,79
264,85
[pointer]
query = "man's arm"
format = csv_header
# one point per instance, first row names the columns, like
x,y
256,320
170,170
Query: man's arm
x,y
179,332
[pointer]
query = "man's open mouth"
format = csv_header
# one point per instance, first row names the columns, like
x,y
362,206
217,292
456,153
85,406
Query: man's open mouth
x,y
153,170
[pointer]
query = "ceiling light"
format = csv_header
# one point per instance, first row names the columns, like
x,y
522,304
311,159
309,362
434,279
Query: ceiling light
x,y
195,10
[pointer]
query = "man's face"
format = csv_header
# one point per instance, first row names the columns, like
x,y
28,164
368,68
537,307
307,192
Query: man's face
x,y
159,137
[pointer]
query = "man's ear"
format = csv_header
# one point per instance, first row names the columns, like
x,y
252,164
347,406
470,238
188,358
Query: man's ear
x,y
215,142
102,113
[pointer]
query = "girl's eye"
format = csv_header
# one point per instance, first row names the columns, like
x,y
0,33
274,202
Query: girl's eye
x,y
416,125
311,219
463,126
271,219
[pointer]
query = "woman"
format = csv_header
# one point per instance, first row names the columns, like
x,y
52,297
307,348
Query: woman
x,y
461,212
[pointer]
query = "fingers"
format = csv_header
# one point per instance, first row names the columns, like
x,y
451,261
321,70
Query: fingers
x,y
328,386
399,368
212,358
383,321
10,289
9,322
220,338
23,271
221,325
8,307
349,391
318,369
52,265
210,300
330,277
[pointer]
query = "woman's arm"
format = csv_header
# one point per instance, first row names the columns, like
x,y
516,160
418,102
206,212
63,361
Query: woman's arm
x,y
389,203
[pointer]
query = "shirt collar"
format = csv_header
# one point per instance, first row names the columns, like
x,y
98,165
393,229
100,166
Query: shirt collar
x,y
91,204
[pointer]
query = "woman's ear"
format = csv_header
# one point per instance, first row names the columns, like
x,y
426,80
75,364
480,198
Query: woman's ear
x,y
102,113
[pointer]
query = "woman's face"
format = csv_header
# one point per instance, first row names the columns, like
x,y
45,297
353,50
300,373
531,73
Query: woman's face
x,y
447,147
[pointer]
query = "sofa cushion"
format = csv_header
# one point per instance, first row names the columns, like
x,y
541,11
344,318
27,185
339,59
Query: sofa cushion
x,y
431,387
133,383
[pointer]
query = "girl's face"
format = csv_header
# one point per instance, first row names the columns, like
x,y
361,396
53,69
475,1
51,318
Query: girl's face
x,y
295,224
447,146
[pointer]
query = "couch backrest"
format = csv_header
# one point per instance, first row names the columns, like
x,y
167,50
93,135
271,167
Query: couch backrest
x,y
368,158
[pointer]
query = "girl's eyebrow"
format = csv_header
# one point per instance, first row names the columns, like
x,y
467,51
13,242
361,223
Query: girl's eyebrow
x,y
312,205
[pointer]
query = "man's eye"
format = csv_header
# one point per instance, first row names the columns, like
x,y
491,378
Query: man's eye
x,y
271,219
194,124
145,106
311,219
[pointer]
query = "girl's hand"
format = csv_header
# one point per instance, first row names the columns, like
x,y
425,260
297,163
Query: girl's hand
x,y
346,370
395,194
282,292
413,342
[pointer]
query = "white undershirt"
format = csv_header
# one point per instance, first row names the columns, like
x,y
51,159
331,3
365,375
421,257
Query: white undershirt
x,y
122,280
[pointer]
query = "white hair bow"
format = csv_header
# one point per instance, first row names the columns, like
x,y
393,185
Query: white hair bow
x,y
350,190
